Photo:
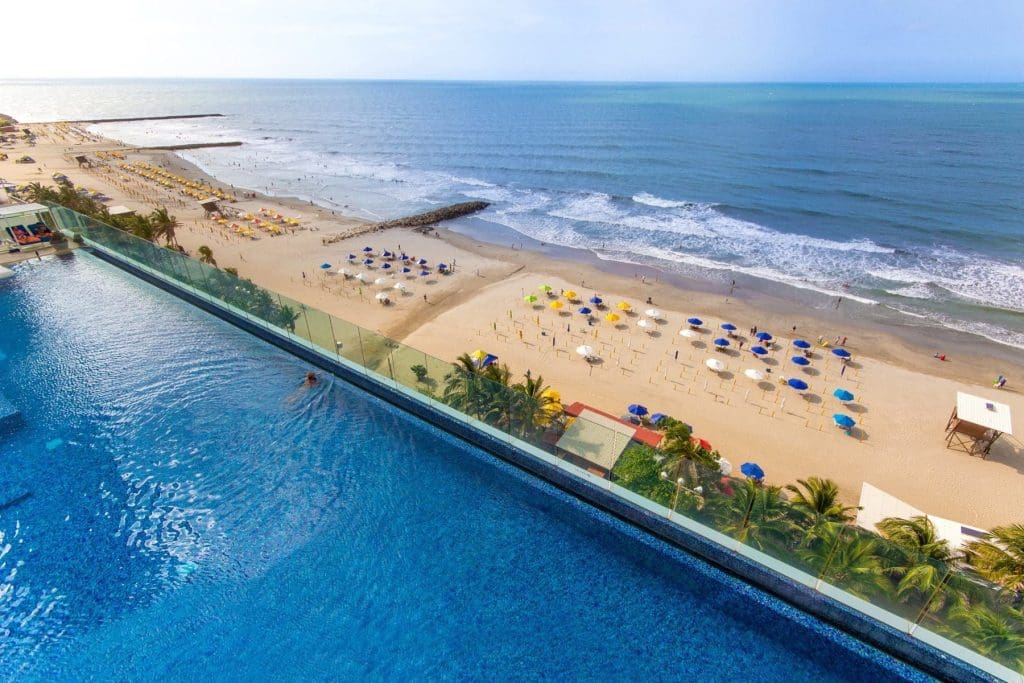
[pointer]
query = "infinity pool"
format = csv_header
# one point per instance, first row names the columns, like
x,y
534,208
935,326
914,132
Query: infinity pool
x,y
179,507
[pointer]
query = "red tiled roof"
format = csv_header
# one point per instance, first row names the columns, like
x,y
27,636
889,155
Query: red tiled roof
x,y
648,437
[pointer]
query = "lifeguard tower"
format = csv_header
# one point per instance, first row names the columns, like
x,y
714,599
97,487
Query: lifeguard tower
x,y
976,424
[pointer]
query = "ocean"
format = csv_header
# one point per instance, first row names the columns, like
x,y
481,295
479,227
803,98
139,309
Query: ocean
x,y
905,200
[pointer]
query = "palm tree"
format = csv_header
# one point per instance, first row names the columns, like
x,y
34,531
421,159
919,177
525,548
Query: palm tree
x,y
480,392
989,632
164,225
816,501
531,405
999,557
847,558
206,255
756,515
38,193
682,453
287,317
922,563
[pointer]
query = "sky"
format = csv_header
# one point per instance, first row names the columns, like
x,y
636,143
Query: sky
x,y
627,40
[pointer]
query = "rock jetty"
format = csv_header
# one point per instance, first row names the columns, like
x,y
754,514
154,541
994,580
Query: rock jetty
x,y
421,220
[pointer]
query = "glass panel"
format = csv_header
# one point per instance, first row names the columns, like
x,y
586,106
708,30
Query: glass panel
x,y
347,341
320,332
292,317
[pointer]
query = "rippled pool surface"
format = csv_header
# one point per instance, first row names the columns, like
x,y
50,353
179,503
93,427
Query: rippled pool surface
x,y
181,508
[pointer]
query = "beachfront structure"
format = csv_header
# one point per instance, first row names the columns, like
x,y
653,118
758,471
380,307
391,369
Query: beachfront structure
x,y
976,423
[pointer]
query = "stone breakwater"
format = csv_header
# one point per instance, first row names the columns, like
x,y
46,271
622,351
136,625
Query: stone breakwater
x,y
422,220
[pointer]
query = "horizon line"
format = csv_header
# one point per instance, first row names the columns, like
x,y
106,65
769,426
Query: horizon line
x,y
349,79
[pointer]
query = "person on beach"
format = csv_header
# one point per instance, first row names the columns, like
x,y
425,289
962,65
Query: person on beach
x,y
310,380
999,383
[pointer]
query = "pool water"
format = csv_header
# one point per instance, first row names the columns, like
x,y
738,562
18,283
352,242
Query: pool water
x,y
181,508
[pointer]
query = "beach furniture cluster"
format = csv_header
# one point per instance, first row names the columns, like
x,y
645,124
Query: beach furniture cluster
x,y
110,156
395,269
191,188
623,350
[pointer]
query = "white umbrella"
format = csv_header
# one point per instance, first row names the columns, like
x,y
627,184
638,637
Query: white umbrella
x,y
585,350
361,277
753,374
343,271
380,281
401,286
382,296
644,323
715,364
653,313
687,333
724,466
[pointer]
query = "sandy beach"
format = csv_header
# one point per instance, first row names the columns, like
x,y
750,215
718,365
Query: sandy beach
x,y
903,395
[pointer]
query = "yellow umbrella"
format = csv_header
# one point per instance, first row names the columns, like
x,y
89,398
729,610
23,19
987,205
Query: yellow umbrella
x,y
478,355
556,305
612,318
623,306
570,294
545,288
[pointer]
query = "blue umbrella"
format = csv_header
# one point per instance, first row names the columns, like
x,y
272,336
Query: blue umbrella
x,y
637,409
759,350
797,384
842,353
843,395
658,417
406,270
801,344
721,341
695,321
404,257
763,336
442,266
422,262
596,300
728,327
584,310
424,273
844,421
325,266
351,257
367,250
752,470
800,360
367,262
385,266
387,253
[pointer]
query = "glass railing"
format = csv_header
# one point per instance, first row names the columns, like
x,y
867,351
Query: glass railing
x,y
931,600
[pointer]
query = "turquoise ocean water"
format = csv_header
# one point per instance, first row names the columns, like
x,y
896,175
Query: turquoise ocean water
x,y
907,199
